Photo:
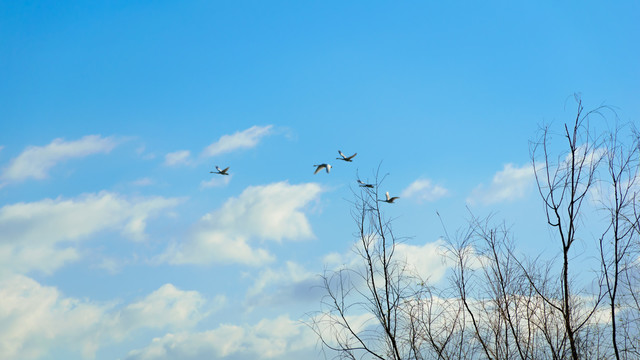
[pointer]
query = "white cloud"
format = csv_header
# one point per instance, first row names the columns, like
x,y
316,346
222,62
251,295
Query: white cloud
x,y
424,190
216,181
34,318
509,184
216,246
268,212
584,154
143,182
429,261
240,140
177,158
145,156
42,235
36,161
326,324
279,338
167,306
31,314
432,260
111,265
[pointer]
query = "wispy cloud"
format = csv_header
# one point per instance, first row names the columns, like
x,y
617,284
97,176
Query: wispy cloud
x,y
509,184
36,161
110,265
268,212
41,235
240,140
216,181
143,182
424,190
181,157
246,139
141,152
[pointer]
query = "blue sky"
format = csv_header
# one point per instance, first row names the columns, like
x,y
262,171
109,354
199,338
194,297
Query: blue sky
x,y
117,243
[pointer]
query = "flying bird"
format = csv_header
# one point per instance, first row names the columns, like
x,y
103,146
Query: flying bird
x,y
390,200
345,158
221,172
322,166
363,184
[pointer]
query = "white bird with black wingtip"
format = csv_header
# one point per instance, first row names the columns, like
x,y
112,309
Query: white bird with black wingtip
x,y
364,184
346,158
390,200
220,172
322,166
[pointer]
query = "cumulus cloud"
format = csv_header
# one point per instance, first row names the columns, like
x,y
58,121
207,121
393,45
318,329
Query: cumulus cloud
x,y
167,306
36,161
424,190
279,338
178,158
34,318
509,184
240,140
42,235
268,212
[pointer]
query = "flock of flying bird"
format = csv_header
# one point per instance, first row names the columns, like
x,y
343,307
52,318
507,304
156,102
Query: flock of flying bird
x,y
327,167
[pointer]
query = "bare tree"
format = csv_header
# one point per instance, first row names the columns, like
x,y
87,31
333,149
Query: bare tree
x,y
498,303
365,310
564,183
618,244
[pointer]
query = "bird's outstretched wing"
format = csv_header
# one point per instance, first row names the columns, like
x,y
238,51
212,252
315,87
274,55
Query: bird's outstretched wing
x,y
344,157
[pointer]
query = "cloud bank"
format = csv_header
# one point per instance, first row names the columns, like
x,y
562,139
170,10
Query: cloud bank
x,y
35,318
279,338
